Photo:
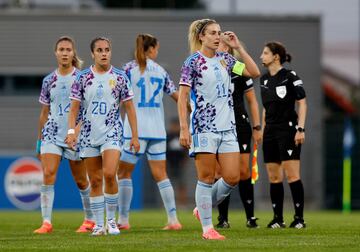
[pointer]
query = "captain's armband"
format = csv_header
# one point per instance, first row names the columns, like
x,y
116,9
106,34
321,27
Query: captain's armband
x,y
238,68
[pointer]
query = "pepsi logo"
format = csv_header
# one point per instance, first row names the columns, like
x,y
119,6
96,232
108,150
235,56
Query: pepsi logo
x,y
23,181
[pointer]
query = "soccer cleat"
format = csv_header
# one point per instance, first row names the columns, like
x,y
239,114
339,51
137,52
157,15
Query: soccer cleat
x,y
86,226
123,226
276,223
212,234
176,226
112,227
223,224
98,230
196,213
45,228
251,223
298,223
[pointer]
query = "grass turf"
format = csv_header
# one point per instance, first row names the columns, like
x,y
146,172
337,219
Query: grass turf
x,y
326,231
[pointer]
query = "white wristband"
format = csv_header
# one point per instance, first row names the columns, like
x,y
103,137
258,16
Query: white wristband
x,y
71,131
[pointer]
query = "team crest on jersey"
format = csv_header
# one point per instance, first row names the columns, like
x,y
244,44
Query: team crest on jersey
x,y
281,91
203,141
223,63
112,83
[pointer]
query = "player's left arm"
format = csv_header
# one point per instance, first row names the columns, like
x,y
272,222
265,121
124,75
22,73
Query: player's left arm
x,y
175,96
250,69
255,115
131,114
302,109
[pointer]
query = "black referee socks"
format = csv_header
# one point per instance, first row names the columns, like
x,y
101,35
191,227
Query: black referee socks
x,y
277,199
246,190
297,192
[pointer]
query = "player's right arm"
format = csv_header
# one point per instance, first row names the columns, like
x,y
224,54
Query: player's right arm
x,y
44,113
73,114
185,138
76,96
263,120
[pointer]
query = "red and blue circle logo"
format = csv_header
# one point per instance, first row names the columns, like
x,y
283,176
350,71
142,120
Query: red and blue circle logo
x,y
23,181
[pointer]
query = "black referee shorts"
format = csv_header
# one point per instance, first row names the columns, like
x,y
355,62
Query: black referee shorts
x,y
279,143
244,134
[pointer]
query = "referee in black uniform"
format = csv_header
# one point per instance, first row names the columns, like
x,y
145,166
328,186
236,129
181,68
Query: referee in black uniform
x,y
284,131
243,86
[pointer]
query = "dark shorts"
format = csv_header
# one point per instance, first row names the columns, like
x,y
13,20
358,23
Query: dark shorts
x,y
279,144
244,134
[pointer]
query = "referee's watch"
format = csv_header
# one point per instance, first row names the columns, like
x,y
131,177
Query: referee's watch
x,y
300,129
257,127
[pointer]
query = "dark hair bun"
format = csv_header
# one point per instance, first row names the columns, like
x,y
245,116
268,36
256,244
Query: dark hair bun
x,y
288,58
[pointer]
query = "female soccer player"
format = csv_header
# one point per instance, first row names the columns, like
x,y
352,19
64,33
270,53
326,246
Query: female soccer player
x,y
150,82
100,88
51,144
205,77
243,86
284,131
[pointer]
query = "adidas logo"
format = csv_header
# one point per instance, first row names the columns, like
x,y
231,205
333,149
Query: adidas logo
x,y
265,82
275,225
289,152
244,146
297,204
273,205
249,201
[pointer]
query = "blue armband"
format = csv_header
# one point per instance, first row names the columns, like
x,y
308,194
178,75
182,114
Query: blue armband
x,y
38,146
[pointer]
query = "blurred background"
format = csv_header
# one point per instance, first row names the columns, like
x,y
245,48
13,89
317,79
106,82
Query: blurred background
x,y
322,35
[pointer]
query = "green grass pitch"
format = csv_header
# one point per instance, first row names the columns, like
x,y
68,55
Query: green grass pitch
x,y
326,231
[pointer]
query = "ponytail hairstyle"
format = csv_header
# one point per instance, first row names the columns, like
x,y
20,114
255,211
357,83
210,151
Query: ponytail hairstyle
x,y
76,62
279,49
143,44
195,29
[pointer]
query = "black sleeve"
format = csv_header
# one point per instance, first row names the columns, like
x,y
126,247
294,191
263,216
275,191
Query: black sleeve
x,y
297,83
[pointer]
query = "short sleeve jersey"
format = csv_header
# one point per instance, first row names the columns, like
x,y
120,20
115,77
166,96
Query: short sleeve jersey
x,y
241,86
101,95
211,92
55,93
279,93
149,88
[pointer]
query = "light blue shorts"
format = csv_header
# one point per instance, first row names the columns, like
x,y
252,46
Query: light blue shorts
x,y
64,152
96,151
211,142
154,149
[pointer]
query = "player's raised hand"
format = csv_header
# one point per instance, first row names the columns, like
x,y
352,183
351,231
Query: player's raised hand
x,y
231,40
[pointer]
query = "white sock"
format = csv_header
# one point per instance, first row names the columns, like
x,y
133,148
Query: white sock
x,y
85,198
111,202
203,204
125,196
220,191
97,206
168,198
47,200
